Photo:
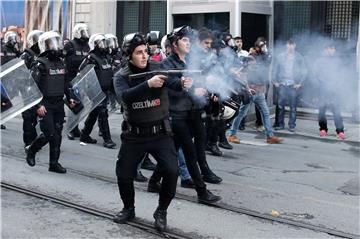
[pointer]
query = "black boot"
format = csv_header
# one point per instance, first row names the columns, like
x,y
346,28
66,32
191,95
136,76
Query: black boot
x,y
30,156
208,197
188,183
208,175
3,126
148,164
126,214
153,187
109,144
140,177
211,177
57,168
213,148
160,219
225,145
32,149
75,133
87,139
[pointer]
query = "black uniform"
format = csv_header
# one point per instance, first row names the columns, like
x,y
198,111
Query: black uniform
x,y
146,128
49,74
75,52
8,53
105,74
30,116
116,61
187,125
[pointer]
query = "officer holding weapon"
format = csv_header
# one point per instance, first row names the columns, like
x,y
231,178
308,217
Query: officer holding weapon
x,y
98,56
49,74
146,128
30,116
75,51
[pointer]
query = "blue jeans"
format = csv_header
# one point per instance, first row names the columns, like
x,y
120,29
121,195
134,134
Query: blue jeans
x,y
287,92
184,173
260,101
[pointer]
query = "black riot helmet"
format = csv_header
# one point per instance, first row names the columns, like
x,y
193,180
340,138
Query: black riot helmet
x,y
178,33
153,38
131,41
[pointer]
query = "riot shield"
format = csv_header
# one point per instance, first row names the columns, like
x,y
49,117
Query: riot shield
x,y
87,94
19,91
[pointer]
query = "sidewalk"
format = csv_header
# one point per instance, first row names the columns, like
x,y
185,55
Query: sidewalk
x,y
309,128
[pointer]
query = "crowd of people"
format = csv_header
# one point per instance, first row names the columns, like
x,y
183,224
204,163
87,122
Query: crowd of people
x,y
174,116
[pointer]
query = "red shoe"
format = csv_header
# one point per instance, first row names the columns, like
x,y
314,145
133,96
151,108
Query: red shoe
x,y
323,133
341,135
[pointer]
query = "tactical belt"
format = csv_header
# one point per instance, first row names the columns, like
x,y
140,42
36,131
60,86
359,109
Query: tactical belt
x,y
146,130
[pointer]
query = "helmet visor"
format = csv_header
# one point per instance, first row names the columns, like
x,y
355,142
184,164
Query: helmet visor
x,y
101,44
112,43
84,33
13,38
54,44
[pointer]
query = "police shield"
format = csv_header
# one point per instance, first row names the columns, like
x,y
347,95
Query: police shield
x,y
19,91
87,94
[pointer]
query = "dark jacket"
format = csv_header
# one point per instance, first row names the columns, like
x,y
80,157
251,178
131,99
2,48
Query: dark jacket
x,y
138,90
8,53
75,51
49,75
299,69
102,68
180,101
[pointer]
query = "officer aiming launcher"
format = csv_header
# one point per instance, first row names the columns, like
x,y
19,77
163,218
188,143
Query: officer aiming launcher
x,y
146,75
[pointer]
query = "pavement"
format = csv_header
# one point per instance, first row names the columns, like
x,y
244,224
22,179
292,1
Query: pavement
x,y
307,178
307,126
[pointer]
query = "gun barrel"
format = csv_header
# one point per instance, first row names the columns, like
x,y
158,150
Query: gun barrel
x,y
164,72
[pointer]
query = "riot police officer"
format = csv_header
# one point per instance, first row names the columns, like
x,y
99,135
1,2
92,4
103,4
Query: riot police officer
x,y
115,53
75,51
9,50
98,57
49,74
30,116
146,128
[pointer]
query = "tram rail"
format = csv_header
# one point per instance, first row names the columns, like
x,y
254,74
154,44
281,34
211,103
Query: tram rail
x,y
224,206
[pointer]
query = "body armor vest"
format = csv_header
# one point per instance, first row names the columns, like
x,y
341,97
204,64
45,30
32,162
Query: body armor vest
x,y
103,71
74,60
150,106
7,54
53,83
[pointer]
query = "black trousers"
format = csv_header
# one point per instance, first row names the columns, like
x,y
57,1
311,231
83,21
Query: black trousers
x,y
214,129
29,125
132,150
51,124
100,113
